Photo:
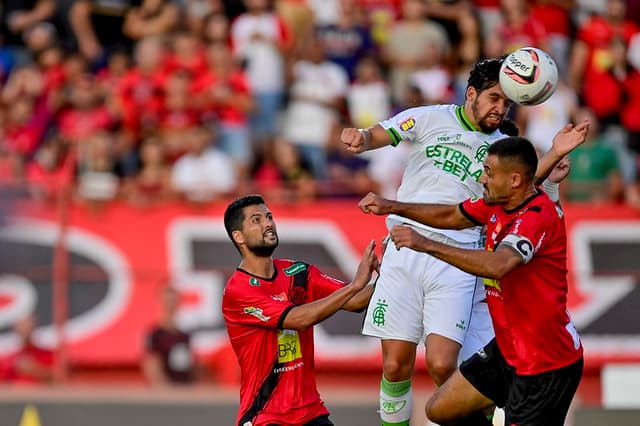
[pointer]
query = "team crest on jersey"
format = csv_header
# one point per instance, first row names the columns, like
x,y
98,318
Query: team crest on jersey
x,y
254,282
481,153
407,124
256,312
493,219
296,268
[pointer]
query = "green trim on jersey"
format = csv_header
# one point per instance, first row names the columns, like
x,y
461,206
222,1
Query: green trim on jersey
x,y
395,136
464,121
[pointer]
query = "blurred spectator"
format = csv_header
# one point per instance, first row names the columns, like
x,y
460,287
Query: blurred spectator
x,y
17,17
595,175
518,28
347,40
28,114
51,172
197,14
186,54
630,114
262,42
282,174
540,123
556,17
97,177
592,59
84,113
224,96
150,18
168,357
369,96
152,183
431,83
177,112
404,50
31,363
204,173
317,95
381,15
97,26
298,18
458,19
216,30
139,92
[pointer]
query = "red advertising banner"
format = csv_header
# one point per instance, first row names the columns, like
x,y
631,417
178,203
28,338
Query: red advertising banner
x,y
118,257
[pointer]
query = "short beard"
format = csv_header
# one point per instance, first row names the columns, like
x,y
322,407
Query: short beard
x,y
483,127
263,250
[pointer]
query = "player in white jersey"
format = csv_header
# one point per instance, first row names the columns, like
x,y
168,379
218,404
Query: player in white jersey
x,y
418,297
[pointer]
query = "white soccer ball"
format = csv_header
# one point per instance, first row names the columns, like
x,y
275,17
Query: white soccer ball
x,y
528,76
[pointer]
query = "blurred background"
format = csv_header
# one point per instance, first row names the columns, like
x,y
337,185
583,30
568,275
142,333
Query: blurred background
x,y
126,126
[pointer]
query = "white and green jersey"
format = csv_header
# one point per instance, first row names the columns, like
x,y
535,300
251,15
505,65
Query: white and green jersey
x,y
445,161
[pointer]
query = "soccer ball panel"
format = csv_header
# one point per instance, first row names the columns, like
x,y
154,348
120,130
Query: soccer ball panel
x,y
528,76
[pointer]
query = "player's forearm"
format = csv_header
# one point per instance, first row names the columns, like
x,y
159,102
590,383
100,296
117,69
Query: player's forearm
x,y
375,137
309,314
360,301
545,165
441,216
482,263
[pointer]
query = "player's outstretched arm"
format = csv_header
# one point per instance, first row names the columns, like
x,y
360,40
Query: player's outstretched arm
x,y
304,316
442,216
361,140
483,263
565,141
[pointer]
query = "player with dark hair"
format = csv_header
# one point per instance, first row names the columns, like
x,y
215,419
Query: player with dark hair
x,y
418,297
533,366
269,307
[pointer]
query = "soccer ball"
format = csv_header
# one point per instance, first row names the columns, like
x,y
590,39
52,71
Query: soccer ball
x,y
528,76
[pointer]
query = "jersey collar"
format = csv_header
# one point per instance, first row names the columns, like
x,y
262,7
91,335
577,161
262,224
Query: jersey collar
x,y
464,121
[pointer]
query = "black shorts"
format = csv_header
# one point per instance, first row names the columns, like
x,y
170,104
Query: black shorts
x,y
318,421
540,399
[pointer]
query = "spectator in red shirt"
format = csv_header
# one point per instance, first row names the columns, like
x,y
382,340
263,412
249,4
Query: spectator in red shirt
x,y
592,58
85,113
51,172
31,363
224,95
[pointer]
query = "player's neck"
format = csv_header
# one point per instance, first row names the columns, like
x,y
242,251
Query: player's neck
x,y
520,198
257,265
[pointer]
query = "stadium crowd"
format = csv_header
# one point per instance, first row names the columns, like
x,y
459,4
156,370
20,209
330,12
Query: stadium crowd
x,y
156,100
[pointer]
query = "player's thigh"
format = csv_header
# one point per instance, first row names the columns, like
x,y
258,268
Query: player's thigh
x,y
542,399
448,300
456,398
395,308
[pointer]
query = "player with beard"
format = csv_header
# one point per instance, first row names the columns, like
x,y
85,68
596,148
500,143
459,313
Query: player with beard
x,y
270,307
419,297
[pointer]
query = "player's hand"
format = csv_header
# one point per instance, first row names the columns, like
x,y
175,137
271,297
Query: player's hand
x,y
570,137
373,203
353,139
561,170
405,236
367,266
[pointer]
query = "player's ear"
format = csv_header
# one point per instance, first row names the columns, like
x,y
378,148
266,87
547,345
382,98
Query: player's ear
x,y
471,93
238,237
516,179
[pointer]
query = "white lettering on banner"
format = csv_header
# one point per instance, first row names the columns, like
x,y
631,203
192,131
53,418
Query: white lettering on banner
x,y
100,251
602,292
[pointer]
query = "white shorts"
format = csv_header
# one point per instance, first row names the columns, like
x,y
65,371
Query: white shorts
x,y
480,331
417,295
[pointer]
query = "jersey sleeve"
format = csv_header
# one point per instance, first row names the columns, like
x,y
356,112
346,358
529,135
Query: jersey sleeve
x,y
404,125
476,210
249,305
527,233
321,285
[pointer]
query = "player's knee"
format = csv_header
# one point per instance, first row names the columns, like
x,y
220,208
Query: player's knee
x,y
396,371
441,369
